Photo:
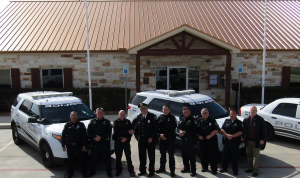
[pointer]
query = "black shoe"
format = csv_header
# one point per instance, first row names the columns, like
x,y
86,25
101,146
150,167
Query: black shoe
x,y
160,170
254,174
248,171
141,173
235,173
91,174
132,174
118,173
193,174
172,174
184,171
110,174
214,172
204,170
151,174
222,170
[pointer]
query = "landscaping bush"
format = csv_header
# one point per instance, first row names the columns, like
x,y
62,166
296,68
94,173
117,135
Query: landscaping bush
x,y
111,99
253,94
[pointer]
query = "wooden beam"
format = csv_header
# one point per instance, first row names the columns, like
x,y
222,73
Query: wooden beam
x,y
228,80
175,43
183,40
158,52
138,72
190,43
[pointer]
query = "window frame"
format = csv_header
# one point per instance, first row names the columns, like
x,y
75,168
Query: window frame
x,y
218,73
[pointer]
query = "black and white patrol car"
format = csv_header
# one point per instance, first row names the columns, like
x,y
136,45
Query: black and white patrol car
x,y
39,118
282,117
177,100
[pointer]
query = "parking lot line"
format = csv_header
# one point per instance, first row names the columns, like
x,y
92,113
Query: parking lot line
x,y
6,146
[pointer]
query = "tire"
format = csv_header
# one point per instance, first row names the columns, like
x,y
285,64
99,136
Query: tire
x,y
47,156
270,132
15,135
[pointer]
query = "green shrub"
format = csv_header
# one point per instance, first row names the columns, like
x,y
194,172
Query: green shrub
x,y
253,94
111,99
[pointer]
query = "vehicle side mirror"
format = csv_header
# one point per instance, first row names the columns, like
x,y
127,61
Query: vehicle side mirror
x,y
32,120
43,121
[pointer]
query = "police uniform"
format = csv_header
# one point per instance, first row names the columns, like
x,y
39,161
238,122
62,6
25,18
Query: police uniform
x,y
74,138
231,147
146,128
188,125
167,126
103,129
208,147
121,130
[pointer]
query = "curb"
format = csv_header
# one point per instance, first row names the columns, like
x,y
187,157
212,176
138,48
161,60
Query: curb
x,y
5,126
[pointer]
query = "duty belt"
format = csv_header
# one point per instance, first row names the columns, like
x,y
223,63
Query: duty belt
x,y
74,144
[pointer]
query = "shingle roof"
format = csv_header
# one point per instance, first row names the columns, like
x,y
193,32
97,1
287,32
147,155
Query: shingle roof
x,y
113,25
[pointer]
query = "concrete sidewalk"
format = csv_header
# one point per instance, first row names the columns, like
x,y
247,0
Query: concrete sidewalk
x,y
5,120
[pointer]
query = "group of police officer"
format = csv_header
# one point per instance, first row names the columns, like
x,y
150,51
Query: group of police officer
x,y
149,129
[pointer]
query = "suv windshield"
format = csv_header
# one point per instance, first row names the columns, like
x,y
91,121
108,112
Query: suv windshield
x,y
216,111
60,113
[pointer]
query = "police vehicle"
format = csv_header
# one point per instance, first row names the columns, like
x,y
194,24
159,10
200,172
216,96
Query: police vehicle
x,y
282,117
177,100
39,118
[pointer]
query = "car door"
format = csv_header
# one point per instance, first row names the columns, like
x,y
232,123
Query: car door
x,y
156,105
28,129
283,119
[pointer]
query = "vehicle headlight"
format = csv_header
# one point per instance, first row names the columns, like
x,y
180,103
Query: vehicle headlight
x,y
58,137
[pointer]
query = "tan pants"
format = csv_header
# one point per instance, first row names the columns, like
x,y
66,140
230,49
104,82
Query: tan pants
x,y
253,156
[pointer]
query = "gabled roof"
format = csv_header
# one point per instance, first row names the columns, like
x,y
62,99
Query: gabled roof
x,y
115,25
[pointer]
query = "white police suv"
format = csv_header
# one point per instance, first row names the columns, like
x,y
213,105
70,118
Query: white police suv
x,y
39,118
282,117
177,100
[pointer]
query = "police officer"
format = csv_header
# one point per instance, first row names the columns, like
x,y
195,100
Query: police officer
x,y
187,131
74,137
206,131
232,130
146,130
123,131
99,130
166,131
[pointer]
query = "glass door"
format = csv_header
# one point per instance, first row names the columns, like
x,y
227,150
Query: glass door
x,y
177,78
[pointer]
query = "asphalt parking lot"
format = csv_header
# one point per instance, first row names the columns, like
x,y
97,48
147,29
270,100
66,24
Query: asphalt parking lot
x,y
281,158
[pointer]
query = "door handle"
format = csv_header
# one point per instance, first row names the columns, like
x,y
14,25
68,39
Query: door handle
x,y
273,117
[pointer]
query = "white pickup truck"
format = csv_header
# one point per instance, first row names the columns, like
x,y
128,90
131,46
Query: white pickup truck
x,y
282,117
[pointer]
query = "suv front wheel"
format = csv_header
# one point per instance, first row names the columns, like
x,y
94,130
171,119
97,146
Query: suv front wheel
x,y
15,135
47,155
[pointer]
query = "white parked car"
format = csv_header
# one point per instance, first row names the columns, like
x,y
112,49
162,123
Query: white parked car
x,y
39,118
282,117
177,100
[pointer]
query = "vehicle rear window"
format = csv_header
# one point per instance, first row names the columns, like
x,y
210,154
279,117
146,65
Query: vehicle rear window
x,y
16,101
138,99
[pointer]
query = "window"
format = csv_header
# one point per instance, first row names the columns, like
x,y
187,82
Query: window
x,y
295,76
35,111
176,108
157,104
217,79
52,78
26,107
138,99
286,109
5,81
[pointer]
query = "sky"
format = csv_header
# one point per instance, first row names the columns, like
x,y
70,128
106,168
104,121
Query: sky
x,y
3,4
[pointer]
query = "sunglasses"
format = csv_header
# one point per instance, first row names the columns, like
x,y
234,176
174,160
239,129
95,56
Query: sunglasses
x,y
204,113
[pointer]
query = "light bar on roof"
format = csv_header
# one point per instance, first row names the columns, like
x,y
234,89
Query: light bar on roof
x,y
45,95
185,92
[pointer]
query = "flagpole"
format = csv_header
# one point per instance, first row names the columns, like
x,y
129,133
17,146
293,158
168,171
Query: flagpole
x,y
264,54
88,55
